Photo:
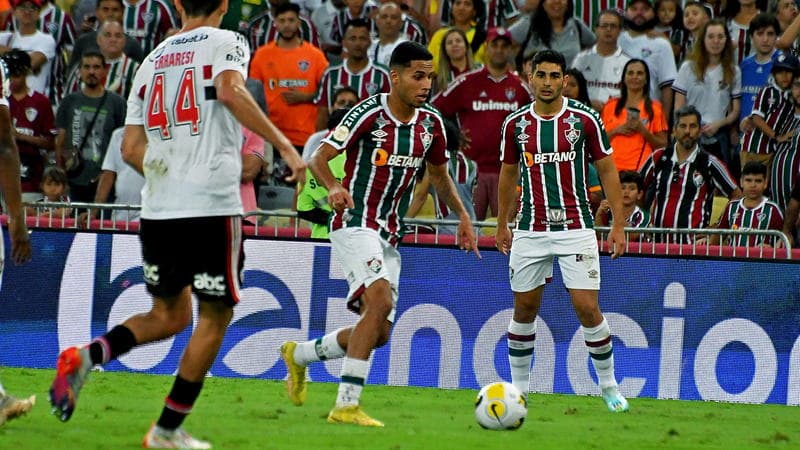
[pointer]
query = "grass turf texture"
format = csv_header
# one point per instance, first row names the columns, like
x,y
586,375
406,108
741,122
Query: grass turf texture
x,y
115,410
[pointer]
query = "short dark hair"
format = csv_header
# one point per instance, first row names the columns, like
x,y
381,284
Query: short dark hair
x,y
550,56
286,6
93,53
18,62
115,1
336,116
357,23
754,168
342,90
688,110
200,8
408,51
56,174
611,12
763,20
631,176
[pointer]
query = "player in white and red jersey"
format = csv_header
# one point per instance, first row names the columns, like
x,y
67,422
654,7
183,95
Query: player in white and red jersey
x,y
387,138
148,21
11,407
546,148
183,132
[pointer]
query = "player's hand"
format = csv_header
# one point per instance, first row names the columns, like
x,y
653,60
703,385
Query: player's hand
x,y
339,199
296,164
503,239
466,238
20,240
616,241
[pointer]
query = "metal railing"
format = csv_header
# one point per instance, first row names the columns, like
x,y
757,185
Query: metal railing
x,y
286,224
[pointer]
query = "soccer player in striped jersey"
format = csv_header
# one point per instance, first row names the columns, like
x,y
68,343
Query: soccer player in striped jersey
x,y
148,21
183,132
680,180
11,407
754,211
356,71
262,30
387,138
546,147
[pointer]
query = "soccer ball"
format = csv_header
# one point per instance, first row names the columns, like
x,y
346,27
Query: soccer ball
x,y
500,406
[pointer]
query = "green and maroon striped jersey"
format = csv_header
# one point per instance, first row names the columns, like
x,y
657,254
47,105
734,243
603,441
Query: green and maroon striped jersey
x,y
383,157
553,154
765,216
373,79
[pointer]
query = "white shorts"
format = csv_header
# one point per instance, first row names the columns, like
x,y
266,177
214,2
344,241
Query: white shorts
x,y
531,262
365,258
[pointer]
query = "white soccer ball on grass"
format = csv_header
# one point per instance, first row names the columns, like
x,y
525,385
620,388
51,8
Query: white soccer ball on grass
x,y
500,406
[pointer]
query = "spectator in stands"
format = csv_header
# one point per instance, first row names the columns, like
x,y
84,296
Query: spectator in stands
x,y
322,18
252,161
737,15
465,17
695,16
40,46
262,29
312,201
106,10
120,67
639,42
241,12
711,81
670,17
149,22
55,189
632,194
785,169
757,67
792,218
389,22
753,212
771,119
679,181
410,27
602,64
491,14
635,122
126,182
356,71
33,123
463,172
553,26
575,87
344,98
455,58
85,121
291,70
354,9
785,11
480,101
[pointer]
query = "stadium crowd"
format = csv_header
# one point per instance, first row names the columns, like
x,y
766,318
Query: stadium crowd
x,y
695,96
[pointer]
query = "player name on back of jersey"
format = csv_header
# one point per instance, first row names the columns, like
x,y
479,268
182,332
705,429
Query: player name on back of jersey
x,y
491,105
174,59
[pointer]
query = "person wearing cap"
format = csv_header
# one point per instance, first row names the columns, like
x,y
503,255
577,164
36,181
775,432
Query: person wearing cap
x,y
40,46
34,123
772,114
480,100
552,26
639,42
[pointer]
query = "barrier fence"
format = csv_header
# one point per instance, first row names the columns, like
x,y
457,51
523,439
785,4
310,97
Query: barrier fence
x,y
285,224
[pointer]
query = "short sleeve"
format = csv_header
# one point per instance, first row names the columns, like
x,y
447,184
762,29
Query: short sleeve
x,y
437,152
136,98
232,53
508,149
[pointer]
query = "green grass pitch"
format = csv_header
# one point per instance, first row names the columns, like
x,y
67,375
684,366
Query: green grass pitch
x,y
115,410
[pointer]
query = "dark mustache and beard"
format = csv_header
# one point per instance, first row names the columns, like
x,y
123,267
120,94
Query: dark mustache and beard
x,y
631,25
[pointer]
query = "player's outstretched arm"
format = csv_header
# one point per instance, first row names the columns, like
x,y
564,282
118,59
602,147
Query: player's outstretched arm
x,y
338,197
609,177
233,94
9,182
506,197
444,186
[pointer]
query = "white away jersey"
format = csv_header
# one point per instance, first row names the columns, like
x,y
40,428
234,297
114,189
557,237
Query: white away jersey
x,y
193,161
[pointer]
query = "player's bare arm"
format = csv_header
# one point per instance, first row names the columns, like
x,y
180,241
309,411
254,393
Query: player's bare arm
x,y
506,196
441,181
134,144
233,94
609,177
9,181
338,197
